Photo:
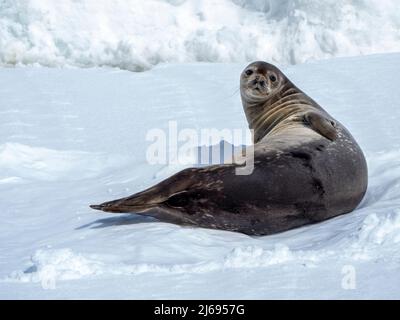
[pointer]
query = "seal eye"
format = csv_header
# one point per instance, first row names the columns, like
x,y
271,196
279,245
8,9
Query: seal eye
x,y
249,72
272,78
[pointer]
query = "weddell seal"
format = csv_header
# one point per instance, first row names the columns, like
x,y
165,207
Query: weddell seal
x,y
307,168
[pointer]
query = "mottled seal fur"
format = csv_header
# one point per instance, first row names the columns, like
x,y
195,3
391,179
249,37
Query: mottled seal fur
x,y
307,168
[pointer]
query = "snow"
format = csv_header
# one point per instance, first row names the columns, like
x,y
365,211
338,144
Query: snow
x,y
73,137
136,34
47,164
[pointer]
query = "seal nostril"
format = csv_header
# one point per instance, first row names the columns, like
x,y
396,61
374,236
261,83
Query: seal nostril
x,y
262,83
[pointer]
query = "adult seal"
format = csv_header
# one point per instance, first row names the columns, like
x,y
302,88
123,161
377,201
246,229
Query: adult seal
x,y
307,168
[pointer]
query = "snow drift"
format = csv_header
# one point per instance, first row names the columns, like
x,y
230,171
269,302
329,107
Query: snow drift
x,y
136,34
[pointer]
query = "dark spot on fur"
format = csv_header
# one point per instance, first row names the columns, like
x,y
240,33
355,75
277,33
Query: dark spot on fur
x,y
318,187
301,155
304,157
320,147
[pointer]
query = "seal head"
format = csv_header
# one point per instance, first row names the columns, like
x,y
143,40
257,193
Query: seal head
x,y
260,81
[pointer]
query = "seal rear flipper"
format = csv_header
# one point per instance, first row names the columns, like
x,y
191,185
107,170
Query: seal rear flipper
x,y
120,206
137,203
321,124
176,191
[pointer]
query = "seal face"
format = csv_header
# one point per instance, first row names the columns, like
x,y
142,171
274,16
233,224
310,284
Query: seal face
x,y
259,81
307,168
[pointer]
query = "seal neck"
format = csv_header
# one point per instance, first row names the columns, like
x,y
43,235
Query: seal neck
x,y
266,115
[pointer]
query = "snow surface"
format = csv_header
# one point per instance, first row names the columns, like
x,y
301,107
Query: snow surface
x,y
137,34
73,137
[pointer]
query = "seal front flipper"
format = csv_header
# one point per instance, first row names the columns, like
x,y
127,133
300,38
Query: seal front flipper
x,y
321,124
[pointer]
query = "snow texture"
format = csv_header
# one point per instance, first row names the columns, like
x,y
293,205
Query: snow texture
x,y
72,137
137,34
